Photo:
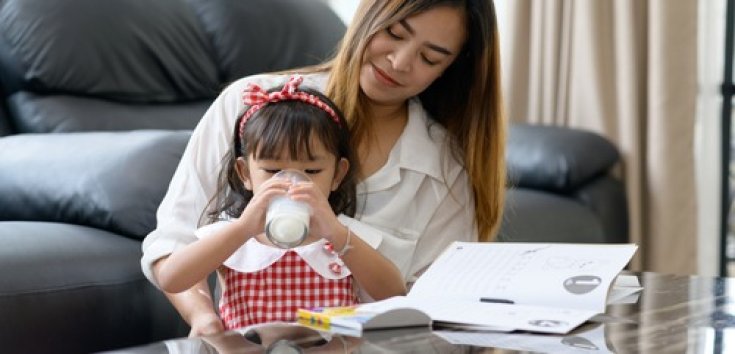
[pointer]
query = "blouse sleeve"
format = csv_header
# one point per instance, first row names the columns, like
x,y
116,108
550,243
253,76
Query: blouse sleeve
x,y
193,182
371,235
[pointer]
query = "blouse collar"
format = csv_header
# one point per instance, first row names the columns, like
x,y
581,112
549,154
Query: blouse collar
x,y
416,150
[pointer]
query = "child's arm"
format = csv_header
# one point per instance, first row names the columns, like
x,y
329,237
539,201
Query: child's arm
x,y
377,275
185,267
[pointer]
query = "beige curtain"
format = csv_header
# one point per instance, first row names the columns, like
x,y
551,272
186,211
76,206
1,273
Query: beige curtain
x,y
625,69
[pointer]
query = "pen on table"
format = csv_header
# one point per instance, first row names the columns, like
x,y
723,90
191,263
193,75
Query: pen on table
x,y
496,301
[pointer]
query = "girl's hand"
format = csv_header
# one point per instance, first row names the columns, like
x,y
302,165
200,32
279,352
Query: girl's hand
x,y
254,212
323,222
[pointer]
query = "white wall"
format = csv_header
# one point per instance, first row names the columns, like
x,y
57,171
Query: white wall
x,y
344,8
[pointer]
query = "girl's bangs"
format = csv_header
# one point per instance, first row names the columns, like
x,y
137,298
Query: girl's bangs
x,y
288,133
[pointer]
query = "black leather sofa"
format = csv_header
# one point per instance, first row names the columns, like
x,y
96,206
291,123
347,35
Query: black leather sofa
x,y
98,99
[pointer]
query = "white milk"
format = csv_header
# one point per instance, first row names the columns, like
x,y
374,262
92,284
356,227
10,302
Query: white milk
x,y
287,221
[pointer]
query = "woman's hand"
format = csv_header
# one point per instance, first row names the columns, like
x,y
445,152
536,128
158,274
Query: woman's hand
x,y
205,324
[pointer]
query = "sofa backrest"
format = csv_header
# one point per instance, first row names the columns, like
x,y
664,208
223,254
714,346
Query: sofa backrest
x,y
82,65
255,36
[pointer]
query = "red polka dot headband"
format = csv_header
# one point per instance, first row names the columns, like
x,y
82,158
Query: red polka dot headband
x,y
255,97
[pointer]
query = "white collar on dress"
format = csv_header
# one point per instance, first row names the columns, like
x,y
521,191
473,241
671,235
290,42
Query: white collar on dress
x,y
254,256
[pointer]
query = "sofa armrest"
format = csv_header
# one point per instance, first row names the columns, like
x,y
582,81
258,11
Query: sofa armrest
x,y
605,196
556,159
108,180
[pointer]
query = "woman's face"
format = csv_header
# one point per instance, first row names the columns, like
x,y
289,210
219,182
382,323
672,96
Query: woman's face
x,y
404,59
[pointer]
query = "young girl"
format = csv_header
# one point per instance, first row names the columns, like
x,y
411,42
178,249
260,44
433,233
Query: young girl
x,y
287,129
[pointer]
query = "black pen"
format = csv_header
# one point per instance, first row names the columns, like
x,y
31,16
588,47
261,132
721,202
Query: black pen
x,y
496,301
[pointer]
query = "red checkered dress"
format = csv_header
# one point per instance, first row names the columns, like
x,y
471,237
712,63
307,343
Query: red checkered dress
x,y
274,293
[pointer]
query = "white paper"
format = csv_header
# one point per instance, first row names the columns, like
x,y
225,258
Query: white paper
x,y
573,276
487,316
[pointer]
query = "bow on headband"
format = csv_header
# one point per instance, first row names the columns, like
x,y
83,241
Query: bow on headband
x,y
255,97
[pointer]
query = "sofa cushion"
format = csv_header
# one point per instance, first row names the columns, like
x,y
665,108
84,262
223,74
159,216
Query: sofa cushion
x,y
80,289
556,159
112,181
127,50
256,36
33,113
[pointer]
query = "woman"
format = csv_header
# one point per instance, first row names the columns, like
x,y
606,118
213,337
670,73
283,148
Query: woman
x,y
419,83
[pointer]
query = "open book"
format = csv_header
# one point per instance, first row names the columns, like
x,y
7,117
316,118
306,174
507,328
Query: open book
x,y
536,287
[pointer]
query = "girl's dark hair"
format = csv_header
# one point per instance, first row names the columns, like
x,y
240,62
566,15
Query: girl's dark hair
x,y
284,126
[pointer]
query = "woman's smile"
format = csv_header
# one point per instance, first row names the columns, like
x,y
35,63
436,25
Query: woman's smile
x,y
384,78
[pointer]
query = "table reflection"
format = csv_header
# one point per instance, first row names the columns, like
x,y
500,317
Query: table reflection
x,y
282,338
673,314
273,338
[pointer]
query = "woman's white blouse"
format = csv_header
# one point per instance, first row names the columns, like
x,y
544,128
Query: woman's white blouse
x,y
410,210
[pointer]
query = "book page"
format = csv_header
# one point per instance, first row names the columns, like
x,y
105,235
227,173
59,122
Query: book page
x,y
477,315
503,317
573,276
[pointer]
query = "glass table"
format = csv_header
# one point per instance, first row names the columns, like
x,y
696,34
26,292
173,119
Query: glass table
x,y
673,314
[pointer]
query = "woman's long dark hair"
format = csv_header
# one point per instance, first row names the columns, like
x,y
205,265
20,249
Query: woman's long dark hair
x,y
285,126
466,100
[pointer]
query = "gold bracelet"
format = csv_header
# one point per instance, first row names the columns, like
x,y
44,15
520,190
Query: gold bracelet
x,y
347,245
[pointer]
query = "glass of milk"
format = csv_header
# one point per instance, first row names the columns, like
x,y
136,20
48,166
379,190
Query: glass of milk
x,y
287,221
